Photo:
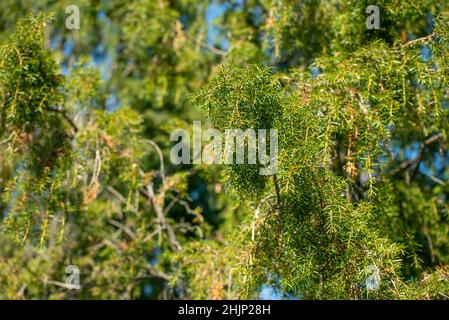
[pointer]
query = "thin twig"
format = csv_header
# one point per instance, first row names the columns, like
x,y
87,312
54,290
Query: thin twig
x,y
122,227
207,46
65,116
256,215
409,162
422,152
412,42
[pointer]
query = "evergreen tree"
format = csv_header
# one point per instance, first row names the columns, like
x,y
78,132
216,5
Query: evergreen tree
x,y
356,210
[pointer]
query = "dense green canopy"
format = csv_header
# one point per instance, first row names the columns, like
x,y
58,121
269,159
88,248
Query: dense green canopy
x,y
361,188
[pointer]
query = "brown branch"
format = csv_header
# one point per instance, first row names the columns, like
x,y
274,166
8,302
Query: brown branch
x,y
162,219
408,163
124,228
412,42
157,204
65,116
424,145
207,46
157,273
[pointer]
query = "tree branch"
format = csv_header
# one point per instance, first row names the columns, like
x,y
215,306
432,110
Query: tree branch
x,y
412,42
65,116
422,152
409,162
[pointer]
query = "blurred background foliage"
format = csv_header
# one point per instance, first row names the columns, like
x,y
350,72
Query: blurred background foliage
x,y
86,117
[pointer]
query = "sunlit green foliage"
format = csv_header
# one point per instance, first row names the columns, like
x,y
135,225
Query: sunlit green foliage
x,y
362,175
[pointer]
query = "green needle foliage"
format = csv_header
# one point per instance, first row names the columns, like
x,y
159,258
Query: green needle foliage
x,y
76,192
361,188
349,194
